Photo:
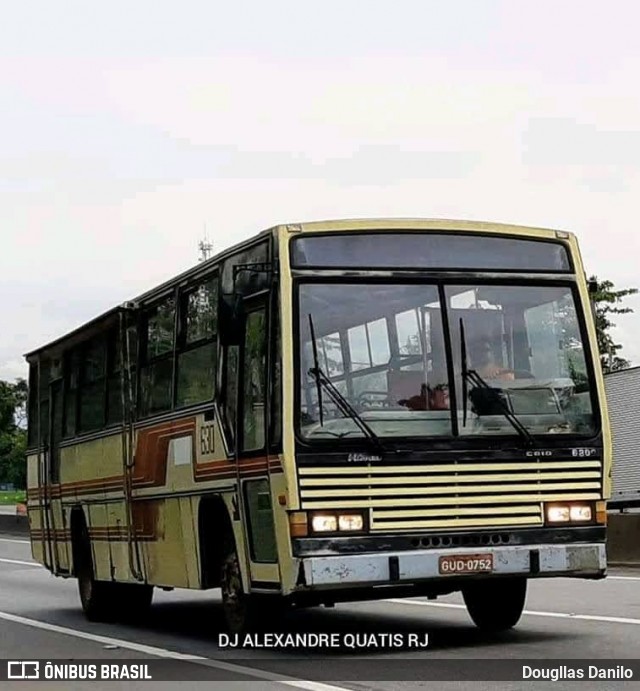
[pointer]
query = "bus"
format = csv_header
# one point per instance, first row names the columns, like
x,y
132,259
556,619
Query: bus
x,y
328,412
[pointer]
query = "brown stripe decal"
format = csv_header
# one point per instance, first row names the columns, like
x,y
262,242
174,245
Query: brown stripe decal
x,y
145,521
150,466
247,467
150,469
96,534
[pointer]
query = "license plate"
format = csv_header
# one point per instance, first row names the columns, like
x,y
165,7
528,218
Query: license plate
x,y
456,564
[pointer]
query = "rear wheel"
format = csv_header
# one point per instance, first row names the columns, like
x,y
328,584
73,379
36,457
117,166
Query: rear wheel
x,y
134,600
106,600
496,605
95,596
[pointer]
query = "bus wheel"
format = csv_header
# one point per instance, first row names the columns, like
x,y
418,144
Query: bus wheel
x,y
243,611
495,605
239,610
134,600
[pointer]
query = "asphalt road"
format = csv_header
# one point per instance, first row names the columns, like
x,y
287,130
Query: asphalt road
x,y
566,619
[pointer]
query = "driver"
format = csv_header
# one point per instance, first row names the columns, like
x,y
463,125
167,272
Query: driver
x,y
487,367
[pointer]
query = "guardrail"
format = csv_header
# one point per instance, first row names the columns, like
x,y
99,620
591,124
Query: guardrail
x,y
623,539
15,523
620,503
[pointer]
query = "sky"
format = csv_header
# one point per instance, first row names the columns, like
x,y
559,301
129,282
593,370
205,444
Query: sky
x,y
127,129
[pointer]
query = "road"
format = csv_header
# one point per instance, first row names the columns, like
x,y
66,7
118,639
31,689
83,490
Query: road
x,y
565,619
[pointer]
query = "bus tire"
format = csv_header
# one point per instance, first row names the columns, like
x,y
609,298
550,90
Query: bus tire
x,y
96,597
134,600
497,604
237,606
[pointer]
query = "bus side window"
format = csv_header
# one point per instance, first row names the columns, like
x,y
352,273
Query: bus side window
x,y
71,387
114,378
254,378
197,344
38,398
32,416
276,405
156,376
92,385
230,391
55,431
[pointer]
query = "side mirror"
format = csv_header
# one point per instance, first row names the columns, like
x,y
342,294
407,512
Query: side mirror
x,y
593,287
237,308
230,319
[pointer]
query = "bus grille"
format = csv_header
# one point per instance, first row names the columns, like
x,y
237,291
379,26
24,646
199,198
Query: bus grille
x,y
450,495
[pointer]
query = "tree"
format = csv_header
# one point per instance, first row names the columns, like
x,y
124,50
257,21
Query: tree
x,y
607,301
13,436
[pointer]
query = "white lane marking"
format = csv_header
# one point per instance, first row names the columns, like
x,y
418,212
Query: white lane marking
x,y
18,561
622,578
422,603
173,654
9,539
532,613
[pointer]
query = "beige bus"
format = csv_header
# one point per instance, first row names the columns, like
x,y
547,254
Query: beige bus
x,y
330,411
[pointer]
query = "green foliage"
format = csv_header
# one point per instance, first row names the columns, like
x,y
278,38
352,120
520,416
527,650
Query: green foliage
x,y
13,436
12,498
579,376
607,301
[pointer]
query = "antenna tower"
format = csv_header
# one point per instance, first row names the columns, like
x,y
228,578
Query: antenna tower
x,y
205,246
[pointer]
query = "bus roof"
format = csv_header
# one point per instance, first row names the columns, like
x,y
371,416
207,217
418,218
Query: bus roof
x,y
451,225
336,225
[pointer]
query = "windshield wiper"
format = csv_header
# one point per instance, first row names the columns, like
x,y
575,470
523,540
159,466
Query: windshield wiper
x,y
470,375
343,405
314,348
478,381
465,372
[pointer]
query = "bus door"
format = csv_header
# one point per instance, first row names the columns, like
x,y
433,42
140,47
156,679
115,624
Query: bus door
x,y
252,456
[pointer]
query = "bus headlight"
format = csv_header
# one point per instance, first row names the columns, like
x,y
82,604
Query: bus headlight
x,y
324,523
337,522
580,512
558,514
570,512
350,521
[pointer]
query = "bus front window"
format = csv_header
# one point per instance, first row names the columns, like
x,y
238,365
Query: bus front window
x,y
382,346
525,342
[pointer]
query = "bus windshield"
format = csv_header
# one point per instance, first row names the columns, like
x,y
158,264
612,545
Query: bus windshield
x,y
400,355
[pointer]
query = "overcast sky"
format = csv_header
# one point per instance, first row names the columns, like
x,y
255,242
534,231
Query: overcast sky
x,y
125,127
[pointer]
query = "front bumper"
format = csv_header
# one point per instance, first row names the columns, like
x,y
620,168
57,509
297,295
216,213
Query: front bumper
x,y
407,567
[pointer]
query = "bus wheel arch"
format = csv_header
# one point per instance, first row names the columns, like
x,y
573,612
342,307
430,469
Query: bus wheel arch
x,y
94,595
215,534
80,544
223,565
243,610
103,600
